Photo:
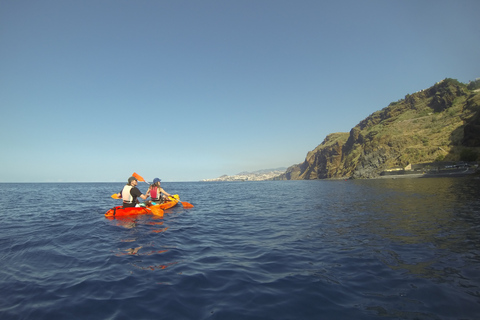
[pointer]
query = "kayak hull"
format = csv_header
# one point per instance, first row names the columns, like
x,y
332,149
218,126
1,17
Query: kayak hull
x,y
121,211
155,209
172,202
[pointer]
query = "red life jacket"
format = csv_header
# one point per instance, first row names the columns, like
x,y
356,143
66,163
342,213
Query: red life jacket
x,y
155,194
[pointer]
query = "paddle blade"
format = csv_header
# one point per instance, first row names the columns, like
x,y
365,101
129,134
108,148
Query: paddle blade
x,y
116,196
156,211
139,177
186,205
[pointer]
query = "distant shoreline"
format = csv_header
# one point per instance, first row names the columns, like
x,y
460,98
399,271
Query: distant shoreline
x,y
442,174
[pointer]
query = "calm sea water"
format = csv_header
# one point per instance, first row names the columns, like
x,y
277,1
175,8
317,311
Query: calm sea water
x,y
374,249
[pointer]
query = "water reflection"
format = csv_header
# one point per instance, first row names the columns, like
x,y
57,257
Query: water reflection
x,y
143,226
415,210
428,227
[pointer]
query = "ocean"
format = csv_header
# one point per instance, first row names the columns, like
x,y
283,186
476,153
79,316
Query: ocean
x,y
355,249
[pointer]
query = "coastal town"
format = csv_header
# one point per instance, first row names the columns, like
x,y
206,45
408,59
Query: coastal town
x,y
260,175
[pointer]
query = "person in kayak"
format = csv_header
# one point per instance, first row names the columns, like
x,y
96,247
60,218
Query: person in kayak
x,y
130,193
156,192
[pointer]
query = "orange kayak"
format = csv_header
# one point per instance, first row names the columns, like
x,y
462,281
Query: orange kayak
x,y
171,202
155,209
121,211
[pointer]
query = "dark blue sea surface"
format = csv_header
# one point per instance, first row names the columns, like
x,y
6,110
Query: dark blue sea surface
x,y
357,249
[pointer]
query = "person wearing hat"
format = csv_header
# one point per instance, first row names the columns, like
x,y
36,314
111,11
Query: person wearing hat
x,y
156,192
130,193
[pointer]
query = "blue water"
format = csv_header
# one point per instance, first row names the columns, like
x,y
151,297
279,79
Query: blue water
x,y
361,249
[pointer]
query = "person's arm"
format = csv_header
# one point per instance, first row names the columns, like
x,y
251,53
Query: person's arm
x,y
164,192
148,192
136,192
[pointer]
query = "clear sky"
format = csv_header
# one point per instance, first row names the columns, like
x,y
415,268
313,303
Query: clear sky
x,y
94,90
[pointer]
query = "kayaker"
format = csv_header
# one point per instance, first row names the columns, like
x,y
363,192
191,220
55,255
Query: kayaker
x,y
130,193
156,192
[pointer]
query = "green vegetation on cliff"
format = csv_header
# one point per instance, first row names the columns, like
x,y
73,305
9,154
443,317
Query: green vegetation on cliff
x,y
441,123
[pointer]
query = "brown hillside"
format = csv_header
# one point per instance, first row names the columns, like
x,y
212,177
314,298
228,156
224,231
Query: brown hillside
x,y
441,123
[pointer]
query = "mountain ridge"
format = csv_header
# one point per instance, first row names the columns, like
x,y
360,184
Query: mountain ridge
x,y
441,123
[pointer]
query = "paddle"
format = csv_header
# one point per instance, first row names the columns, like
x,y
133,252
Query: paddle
x,y
184,204
156,211
139,177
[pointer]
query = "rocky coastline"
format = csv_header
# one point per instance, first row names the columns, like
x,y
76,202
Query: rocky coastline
x,y
432,127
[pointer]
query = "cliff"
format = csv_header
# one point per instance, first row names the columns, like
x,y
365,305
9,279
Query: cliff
x,y
441,123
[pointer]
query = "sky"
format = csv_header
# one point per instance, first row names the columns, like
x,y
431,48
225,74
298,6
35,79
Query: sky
x,y
94,90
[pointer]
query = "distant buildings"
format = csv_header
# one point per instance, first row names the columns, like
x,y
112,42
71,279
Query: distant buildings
x,y
249,176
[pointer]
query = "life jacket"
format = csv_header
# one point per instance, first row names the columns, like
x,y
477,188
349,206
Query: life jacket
x,y
126,196
155,194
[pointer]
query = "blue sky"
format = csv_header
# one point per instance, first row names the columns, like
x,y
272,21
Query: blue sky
x,y
94,90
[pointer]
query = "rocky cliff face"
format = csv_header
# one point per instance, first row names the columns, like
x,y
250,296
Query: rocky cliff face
x,y
436,124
